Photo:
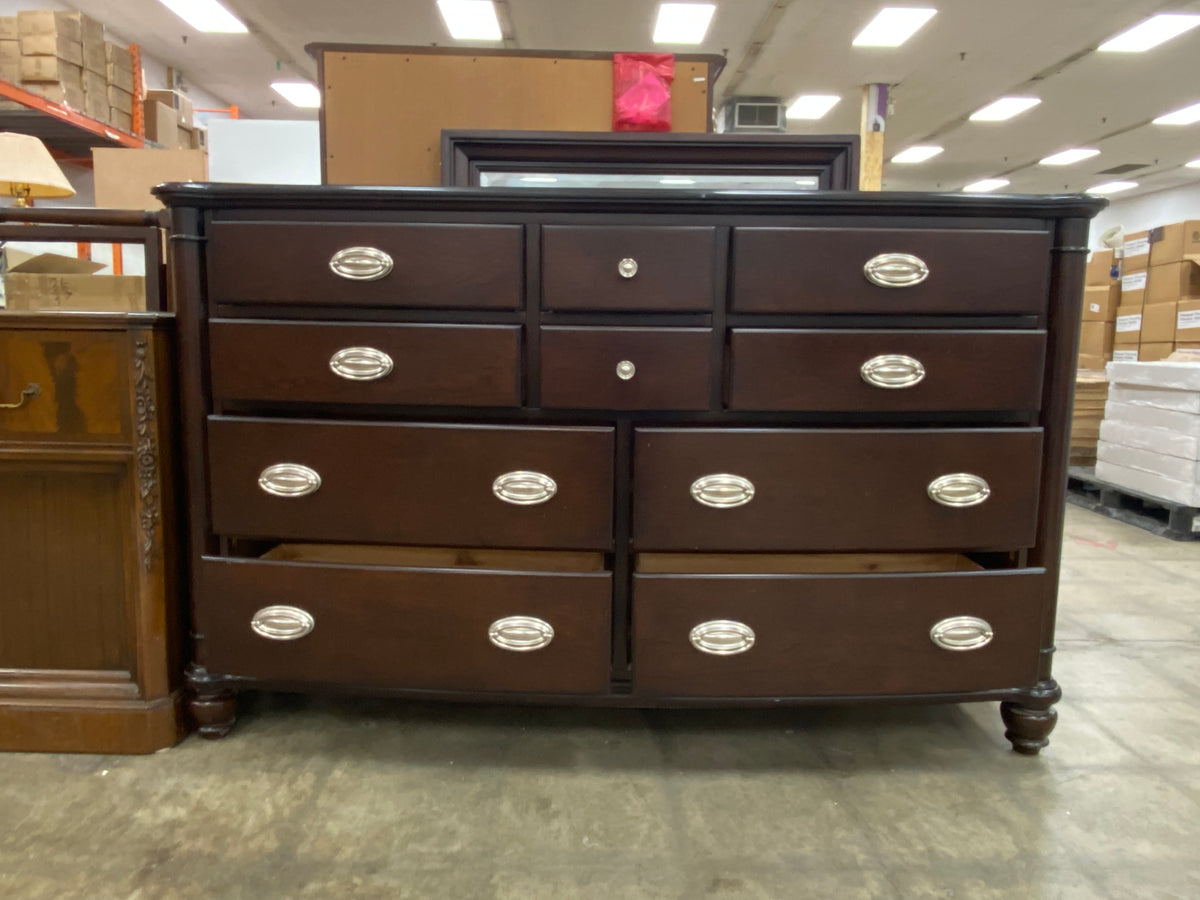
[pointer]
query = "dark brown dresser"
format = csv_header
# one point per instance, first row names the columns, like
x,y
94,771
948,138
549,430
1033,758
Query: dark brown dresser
x,y
625,448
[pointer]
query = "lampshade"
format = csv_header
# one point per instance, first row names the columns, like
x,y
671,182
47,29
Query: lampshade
x,y
28,170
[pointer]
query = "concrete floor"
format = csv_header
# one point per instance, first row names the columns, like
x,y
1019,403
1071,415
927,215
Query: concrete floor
x,y
340,799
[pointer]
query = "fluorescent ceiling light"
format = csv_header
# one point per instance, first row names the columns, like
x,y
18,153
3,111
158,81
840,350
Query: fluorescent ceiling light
x,y
1185,116
1150,33
1067,157
1194,164
893,26
682,23
298,93
1004,108
470,20
1112,187
987,184
812,106
206,15
916,154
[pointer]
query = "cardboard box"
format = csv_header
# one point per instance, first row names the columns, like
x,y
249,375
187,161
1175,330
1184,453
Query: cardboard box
x,y
1100,302
122,121
1133,282
177,101
1155,351
51,70
10,51
1087,361
1099,268
1136,254
8,28
184,140
67,95
119,78
1096,339
90,30
50,281
1187,320
95,83
117,56
11,72
200,138
95,106
162,123
1173,281
1128,329
119,99
93,59
52,45
46,21
1158,323
1176,242
123,178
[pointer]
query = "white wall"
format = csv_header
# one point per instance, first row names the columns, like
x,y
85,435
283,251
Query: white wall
x,y
264,151
1148,211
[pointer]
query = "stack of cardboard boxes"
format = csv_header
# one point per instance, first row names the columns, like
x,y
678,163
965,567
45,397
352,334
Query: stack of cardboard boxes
x,y
1101,295
1160,293
118,71
170,121
1091,393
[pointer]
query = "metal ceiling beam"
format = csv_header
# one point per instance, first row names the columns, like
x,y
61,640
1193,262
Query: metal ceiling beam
x,y
754,47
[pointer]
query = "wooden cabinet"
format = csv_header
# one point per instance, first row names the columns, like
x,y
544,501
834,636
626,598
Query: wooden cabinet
x,y
90,638
640,451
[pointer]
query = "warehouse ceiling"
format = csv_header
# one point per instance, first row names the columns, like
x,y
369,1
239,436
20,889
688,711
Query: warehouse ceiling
x,y
970,53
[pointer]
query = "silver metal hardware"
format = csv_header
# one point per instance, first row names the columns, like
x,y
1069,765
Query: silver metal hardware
x,y
892,370
722,637
959,489
896,270
31,391
289,480
722,490
524,488
626,370
282,623
521,633
627,267
361,263
361,364
961,633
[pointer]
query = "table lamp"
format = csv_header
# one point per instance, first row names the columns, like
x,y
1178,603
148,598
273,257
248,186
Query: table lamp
x,y
27,170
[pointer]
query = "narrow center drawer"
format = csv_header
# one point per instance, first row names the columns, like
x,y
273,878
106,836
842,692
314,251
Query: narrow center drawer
x,y
369,264
333,362
626,368
468,485
881,371
627,267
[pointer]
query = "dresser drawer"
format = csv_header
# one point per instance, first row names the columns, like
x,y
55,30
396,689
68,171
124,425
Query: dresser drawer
x,y
835,489
473,486
64,385
626,368
333,362
882,371
809,270
630,268
845,635
405,628
443,265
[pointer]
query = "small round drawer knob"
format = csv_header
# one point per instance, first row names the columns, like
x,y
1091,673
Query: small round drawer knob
x,y
961,633
722,490
627,267
282,623
892,370
722,637
289,480
523,488
361,364
521,634
958,489
626,370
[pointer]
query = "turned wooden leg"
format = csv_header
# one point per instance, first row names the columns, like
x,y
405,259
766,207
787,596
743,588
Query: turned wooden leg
x,y
212,702
1030,720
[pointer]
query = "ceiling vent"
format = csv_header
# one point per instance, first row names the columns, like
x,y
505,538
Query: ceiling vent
x,y
1123,169
755,114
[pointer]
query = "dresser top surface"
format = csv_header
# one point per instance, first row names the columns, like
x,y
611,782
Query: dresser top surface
x,y
704,202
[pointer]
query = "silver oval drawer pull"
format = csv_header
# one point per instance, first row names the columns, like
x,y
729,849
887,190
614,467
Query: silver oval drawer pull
x,y
722,490
289,480
521,633
958,489
361,263
961,633
627,267
896,270
892,370
361,364
722,637
282,623
524,488
626,370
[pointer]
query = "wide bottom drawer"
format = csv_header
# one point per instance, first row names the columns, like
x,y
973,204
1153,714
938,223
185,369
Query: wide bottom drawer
x,y
835,635
421,628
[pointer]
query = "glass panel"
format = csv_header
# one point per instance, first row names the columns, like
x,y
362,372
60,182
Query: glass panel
x,y
723,181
